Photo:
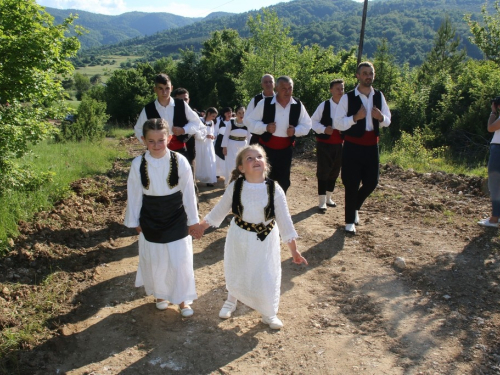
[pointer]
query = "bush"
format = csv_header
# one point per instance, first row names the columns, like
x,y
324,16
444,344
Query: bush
x,y
90,121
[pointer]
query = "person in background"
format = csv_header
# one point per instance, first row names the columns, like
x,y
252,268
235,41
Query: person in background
x,y
206,164
267,84
220,128
328,145
235,138
494,166
359,116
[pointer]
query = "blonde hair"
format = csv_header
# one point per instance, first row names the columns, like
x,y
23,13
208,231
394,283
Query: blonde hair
x,y
236,173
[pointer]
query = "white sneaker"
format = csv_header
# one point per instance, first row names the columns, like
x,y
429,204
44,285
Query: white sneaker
x,y
356,217
350,228
162,305
187,311
227,309
272,321
329,201
322,202
487,223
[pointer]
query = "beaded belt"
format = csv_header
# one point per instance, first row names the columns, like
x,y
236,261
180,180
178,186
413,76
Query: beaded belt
x,y
233,138
261,229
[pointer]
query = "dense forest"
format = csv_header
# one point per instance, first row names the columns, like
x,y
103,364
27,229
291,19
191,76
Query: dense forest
x,y
408,25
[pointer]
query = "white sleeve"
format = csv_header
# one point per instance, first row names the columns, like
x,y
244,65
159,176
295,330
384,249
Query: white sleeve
x,y
254,122
283,218
194,123
222,208
134,195
186,185
304,125
250,108
386,112
341,121
316,118
225,137
139,124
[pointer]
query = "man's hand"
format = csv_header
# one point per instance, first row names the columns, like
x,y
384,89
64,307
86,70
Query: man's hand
x,y
328,130
271,127
178,130
377,115
290,131
361,114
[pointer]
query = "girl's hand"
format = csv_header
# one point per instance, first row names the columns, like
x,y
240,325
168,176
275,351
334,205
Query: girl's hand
x,y
299,259
224,151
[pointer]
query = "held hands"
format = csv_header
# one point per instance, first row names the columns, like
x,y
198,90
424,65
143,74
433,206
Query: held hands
x,y
178,130
196,231
224,151
377,115
290,131
271,127
328,130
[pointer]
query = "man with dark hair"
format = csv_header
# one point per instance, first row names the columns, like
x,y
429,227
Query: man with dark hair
x,y
267,84
359,116
278,120
181,119
183,94
328,145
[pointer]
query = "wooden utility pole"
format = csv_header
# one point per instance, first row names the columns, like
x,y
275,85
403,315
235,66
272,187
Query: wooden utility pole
x,y
362,33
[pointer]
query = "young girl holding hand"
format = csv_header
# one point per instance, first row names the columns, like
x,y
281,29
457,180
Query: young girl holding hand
x,y
162,207
252,262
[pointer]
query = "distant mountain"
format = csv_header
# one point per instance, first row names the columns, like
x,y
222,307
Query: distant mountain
x,y
408,25
103,29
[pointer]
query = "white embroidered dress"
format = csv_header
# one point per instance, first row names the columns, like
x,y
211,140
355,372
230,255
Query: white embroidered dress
x,y
253,267
165,270
205,156
233,147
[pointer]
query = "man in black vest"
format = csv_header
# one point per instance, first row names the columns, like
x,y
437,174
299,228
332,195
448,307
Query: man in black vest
x,y
183,94
267,84
278,120
181,119
328,145
359,116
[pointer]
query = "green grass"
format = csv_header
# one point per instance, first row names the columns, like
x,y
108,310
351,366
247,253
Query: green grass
x,y
106,70
68,162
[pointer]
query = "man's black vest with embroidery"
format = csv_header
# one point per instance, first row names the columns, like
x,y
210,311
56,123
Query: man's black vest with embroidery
x,y
326,119
270,114
257,98
354,103
180,119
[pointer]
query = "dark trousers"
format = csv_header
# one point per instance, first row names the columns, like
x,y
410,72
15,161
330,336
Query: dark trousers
x,y
360,165
281,164
329,161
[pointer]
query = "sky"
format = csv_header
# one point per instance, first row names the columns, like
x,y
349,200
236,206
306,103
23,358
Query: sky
x,y
186,8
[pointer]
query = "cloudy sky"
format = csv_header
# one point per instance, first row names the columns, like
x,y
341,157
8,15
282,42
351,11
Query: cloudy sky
x,y
187,8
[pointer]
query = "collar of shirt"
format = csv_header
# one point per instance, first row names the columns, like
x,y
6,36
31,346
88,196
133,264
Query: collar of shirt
x,y
292,101
358,93
264,96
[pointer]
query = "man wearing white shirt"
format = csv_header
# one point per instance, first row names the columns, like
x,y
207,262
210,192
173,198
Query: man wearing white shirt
x,y
278,120
182,120
267,84
359,116
328,145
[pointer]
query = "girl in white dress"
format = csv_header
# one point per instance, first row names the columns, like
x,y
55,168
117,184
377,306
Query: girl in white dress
x,y
252,264
235,138
162,208
205,153
220,129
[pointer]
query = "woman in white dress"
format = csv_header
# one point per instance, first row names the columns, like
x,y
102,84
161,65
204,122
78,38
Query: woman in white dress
x,y
235,138
252,264
205,152
162,208
220,128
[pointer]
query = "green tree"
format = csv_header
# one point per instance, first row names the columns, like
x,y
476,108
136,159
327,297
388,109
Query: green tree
x,y
387,72
487,36
34,55
82,84
271,51
188,76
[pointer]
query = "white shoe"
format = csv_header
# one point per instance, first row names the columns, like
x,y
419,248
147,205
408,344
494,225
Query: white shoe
x,y
272,321
487,223
350,228
187,311
356,217
322,202
227,309
162,305
329,201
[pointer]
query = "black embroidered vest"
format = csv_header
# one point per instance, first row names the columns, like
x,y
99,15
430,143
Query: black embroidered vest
x,y
353,106
234,126
270,113
237,206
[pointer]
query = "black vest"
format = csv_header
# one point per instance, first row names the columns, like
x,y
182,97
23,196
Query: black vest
x,y
257,99
354,103
270,113
180,119
234,127
237,206
326,119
